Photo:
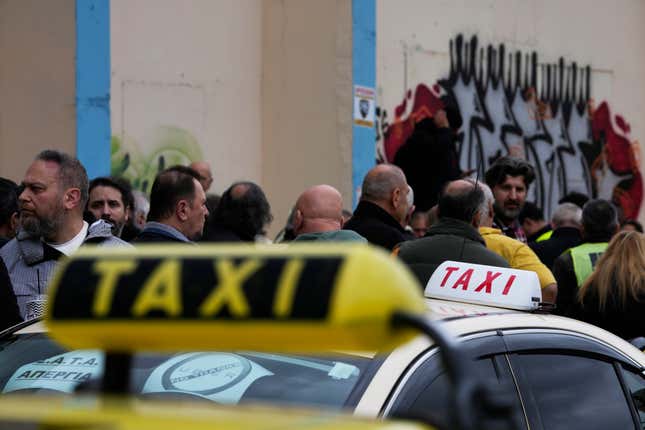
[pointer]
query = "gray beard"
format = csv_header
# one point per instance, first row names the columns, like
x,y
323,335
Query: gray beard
x,y
506,215
45,228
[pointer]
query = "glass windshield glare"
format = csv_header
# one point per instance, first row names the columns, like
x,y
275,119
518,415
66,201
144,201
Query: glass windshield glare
x,y
32,363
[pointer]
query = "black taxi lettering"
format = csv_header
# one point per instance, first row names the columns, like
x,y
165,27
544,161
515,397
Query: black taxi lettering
x,y
230,288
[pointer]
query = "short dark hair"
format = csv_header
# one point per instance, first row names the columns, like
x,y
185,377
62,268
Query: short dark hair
x,y
170,186
532,212
578,199
71,172
244,209
599,219
461,204
509,166
8,200
120,184
637,225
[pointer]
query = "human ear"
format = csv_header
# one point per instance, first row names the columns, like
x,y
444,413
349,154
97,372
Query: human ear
x,y
71,198
298,219
396,197
182,210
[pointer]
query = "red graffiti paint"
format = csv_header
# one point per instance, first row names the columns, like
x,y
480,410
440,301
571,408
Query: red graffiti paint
x,y
619,154
426,103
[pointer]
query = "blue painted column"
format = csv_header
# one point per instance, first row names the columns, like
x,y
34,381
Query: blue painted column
x,y
93,130
363,75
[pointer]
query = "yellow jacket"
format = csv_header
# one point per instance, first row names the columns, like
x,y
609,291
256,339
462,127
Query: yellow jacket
x,y
518,254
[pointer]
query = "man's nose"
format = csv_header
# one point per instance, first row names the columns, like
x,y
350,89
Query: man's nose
x,y
513,194
105,210
24,195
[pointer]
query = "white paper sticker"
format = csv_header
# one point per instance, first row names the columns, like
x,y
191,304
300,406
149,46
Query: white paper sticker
x,y
221,377
343,371
364,106
60,373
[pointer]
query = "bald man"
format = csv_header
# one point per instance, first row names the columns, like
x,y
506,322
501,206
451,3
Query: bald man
x,y
454,237
319,216
205,174
383,208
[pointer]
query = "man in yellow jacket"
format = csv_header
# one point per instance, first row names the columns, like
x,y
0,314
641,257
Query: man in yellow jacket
x,y
518,254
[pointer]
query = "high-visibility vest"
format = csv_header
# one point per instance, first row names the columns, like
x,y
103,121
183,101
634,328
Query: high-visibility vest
x,y
544,236
585,257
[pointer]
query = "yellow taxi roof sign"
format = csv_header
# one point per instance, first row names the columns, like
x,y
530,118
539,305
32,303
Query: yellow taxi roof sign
x,y
127,414
278,298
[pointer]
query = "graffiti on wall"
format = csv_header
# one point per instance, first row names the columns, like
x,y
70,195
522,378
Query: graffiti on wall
x,y
512,104
168,146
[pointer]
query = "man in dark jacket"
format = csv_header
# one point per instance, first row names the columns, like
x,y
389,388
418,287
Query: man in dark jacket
x,y
8,210
567,223
532,220
429,157
9,313
177,207
383,208
454,237
599,224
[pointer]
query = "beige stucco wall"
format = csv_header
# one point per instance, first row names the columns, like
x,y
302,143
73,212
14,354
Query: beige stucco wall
x,y
37,81
186,84
259,88
306,100
413,43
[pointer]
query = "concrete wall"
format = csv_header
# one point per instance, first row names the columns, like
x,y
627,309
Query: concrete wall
x,y
261,89
306,100
37,81
186,86
414,37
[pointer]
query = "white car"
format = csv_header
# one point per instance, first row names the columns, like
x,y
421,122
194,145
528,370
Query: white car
x,y
556,372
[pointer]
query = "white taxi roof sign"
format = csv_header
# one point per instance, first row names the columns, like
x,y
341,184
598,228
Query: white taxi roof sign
x,y
485,285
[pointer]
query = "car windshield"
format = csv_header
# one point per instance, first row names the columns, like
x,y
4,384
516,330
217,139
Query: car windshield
x,y
33,363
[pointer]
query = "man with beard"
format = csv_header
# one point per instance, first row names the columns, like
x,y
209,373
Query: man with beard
x,y
177,207
51,219
110,199
509,179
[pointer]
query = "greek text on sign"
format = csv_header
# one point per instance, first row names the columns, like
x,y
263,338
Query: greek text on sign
x,y
364,106
485,285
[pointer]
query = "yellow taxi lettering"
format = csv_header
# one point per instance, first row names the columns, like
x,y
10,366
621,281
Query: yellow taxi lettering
x,y
161,291
287,287
229,289
110,272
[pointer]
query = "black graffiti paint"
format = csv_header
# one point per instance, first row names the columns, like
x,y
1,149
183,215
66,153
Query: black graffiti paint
x,y
510,102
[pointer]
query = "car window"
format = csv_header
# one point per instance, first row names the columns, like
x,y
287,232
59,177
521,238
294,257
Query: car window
x,y
428,392
574,391
636,385
34,363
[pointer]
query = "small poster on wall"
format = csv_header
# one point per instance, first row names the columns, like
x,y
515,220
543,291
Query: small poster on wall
x,y
364,106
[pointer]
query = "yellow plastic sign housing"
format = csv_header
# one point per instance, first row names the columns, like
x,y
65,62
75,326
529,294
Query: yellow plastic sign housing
x,y
273,298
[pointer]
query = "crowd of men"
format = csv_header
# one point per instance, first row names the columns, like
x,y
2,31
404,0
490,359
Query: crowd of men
x,y
55,210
